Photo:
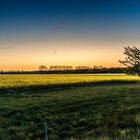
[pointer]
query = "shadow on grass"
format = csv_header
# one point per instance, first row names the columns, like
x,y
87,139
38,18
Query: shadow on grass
x,y
56,87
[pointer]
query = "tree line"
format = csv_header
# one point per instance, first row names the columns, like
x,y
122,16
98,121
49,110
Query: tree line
x,y
63,67
75,70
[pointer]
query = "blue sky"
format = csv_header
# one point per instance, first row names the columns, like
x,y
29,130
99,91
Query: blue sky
x,y
73,16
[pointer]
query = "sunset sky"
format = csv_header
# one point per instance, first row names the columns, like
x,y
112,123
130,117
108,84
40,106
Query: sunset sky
x,y
66,32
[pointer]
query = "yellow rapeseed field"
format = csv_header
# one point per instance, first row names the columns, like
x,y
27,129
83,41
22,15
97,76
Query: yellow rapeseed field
x,y
17,80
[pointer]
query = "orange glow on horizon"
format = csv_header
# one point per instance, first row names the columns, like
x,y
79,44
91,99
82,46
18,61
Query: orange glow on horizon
x,y
28,55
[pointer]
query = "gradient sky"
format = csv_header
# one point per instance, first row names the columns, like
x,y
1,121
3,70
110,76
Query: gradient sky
x,y
66,32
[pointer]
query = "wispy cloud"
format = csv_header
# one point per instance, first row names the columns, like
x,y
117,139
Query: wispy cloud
x,y
58,27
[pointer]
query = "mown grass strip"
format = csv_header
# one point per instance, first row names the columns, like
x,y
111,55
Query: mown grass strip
x,y
61,86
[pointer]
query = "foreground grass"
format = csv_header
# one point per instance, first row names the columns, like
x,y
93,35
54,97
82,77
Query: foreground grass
x,y
105,112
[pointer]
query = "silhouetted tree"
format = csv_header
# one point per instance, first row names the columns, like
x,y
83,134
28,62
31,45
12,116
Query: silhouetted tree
x,y
95,67
132,60
42,68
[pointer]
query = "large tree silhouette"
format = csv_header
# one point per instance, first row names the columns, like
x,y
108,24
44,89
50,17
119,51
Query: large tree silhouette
x,y
132,60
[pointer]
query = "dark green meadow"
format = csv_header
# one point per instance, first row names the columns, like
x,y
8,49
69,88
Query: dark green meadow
x,y
98,112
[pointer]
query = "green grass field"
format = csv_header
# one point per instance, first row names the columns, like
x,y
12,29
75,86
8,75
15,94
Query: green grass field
x,y
88,112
